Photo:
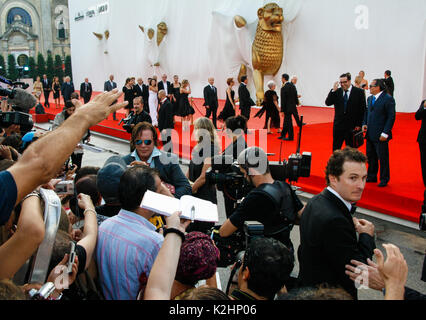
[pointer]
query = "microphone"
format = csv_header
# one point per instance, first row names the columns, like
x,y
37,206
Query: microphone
x,y
23,100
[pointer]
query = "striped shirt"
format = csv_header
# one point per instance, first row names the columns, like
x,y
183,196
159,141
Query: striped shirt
x,y
126,249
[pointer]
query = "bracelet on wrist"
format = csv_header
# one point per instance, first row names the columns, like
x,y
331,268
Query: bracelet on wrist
x,y
176,231
92,210
32,194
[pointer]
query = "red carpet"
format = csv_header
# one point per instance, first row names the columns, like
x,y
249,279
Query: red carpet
x,y
402,198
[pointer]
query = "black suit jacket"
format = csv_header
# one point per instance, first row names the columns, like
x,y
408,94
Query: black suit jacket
x,y
380,118
48,86
289,98
144,93
244,96
86,94
161,87
108,87
356,107
165,116
390,86
328,242
66,90
421,115
210,97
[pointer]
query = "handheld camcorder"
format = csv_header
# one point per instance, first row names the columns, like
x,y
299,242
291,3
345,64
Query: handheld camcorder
x,y
127,122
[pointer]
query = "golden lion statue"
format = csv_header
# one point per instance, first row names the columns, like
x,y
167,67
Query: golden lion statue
x,y
268,47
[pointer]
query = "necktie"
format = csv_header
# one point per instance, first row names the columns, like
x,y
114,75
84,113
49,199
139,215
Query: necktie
x,y
345,100
373,101
353,209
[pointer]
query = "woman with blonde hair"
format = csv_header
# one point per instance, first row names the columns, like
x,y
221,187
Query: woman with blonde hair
x,y
364,82
206,148
37,89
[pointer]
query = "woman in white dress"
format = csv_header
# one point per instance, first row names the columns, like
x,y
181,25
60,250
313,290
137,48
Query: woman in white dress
x,y
153,101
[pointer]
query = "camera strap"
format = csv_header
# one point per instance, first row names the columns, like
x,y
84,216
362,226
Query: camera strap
x,y
52,214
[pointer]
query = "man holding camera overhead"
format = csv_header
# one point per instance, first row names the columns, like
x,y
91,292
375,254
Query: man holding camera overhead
x,y
272,203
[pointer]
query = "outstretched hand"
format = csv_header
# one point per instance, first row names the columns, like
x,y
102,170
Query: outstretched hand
x,y
101,106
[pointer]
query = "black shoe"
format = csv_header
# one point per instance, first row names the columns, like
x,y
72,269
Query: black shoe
x,y
371,180
382,184
281,138
288,139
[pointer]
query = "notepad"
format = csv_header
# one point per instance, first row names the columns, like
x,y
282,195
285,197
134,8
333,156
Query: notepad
x,y
191,207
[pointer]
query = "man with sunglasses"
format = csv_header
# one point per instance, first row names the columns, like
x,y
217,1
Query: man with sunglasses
x,y
144,143
349,108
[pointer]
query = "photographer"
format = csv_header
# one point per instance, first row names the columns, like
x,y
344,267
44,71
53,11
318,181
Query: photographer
x,y
138,116
236,127
257,205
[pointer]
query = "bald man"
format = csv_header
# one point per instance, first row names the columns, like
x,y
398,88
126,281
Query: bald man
x,y
210,100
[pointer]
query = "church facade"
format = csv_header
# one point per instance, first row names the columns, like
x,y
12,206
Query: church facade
x,y
30,27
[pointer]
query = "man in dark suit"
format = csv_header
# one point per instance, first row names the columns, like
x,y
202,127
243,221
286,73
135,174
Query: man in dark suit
x,y
86,90
165,120
289,103
421,138
390,86
166,86
349,108
245,100
67,89
328,231
210,100
378,123
47,87
109,86
142,90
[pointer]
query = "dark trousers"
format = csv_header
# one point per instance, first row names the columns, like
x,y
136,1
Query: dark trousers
x,y
288,124
86,99
245,111
212,112
46,99
422,148
342,135
378,152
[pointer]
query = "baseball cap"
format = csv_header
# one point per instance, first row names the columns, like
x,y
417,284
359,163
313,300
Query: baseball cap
x,y
108,178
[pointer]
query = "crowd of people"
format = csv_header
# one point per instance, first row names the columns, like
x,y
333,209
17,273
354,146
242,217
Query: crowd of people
x,y
126,252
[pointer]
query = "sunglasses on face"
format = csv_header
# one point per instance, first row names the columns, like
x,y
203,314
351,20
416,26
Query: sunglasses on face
x,y
146,142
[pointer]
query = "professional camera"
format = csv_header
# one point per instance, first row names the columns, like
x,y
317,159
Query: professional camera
x,y
24,120
127,122
7,93
231,246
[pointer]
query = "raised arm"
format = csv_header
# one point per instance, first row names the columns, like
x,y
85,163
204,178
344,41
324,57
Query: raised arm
x,y
43,159
90,231
163,272
28,236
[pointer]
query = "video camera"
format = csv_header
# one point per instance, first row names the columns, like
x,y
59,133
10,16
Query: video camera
x,y
24,120
226,174
24,101
127,122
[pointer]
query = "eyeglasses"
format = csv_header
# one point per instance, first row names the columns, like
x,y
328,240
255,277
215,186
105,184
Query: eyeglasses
x,y
373,85
146,142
